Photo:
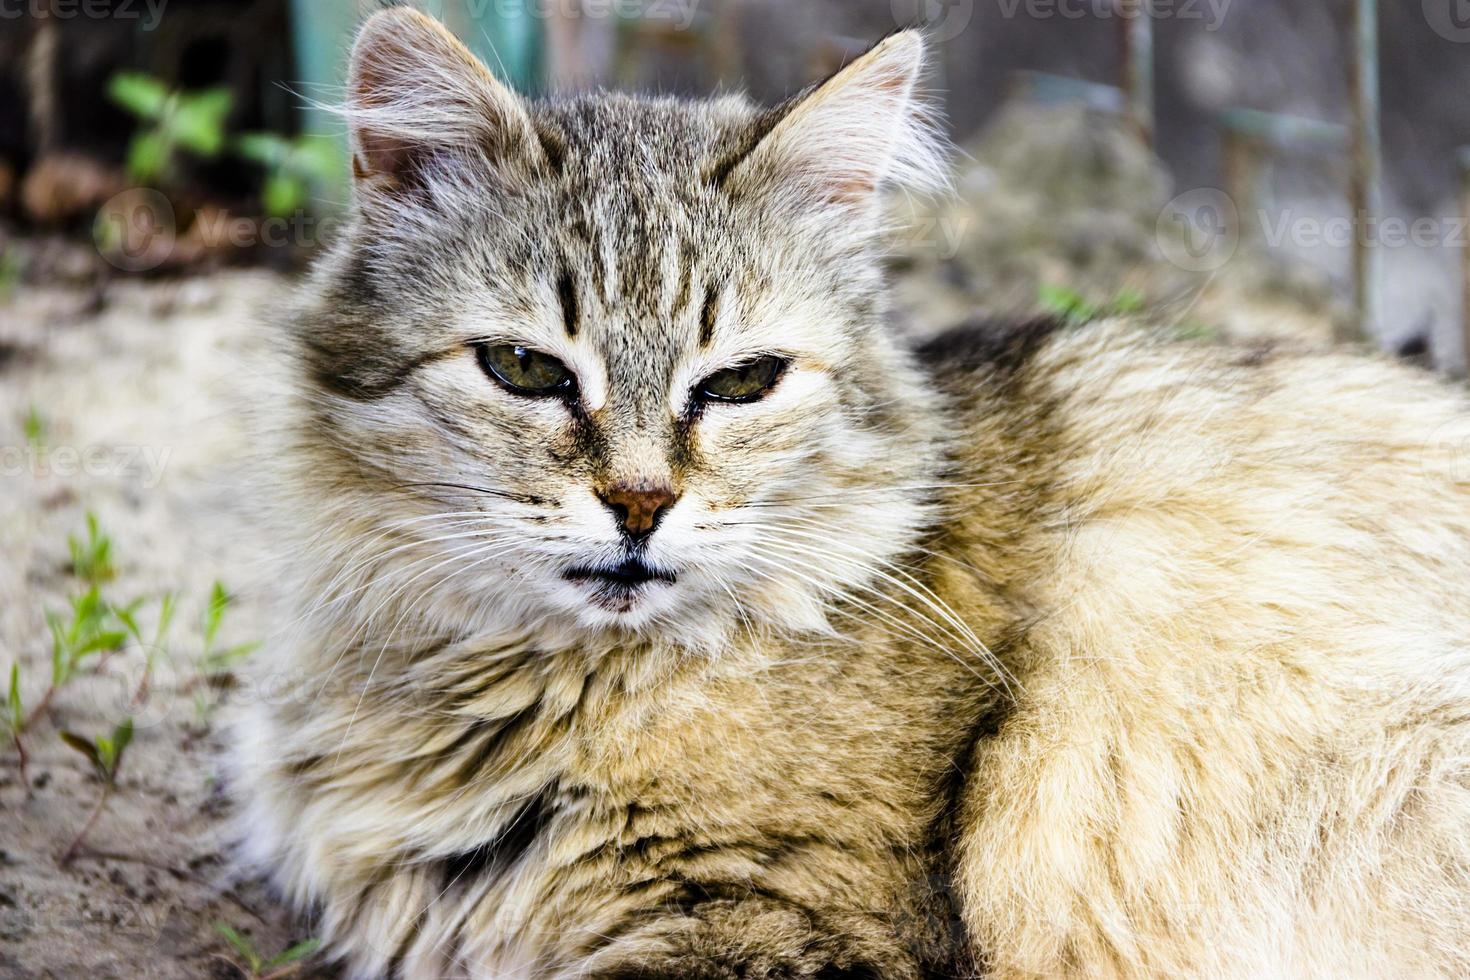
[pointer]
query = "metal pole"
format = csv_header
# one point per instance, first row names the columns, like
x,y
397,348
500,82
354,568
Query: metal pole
x,y
1137,40
1367,168
1242,174
1465,251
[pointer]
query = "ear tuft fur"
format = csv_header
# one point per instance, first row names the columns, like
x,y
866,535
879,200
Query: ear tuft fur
x,y
414,90
865,128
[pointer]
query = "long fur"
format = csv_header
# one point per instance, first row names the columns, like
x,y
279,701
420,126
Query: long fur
x,y
1035,652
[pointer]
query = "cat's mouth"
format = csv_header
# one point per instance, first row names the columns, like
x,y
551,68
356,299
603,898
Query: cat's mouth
x,y
616,586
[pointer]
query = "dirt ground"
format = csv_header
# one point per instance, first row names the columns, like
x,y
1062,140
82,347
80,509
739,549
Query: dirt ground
x,y
139,398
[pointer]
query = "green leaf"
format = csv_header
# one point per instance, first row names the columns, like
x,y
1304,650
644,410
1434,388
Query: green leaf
x,y
142,95
222,661
60,664
242,946
219,601
165,617
12,701
318,158
295,954
111,748
266,149
282,195
129,621
87,749
148,157
99,642
91,560
1068,303
35,428
1128,301
88,606
198,124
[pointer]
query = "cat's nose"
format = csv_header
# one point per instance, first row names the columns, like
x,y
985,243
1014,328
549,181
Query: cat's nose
x,y
639,506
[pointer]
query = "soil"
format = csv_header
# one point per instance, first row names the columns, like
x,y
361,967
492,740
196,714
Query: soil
x,y
143,395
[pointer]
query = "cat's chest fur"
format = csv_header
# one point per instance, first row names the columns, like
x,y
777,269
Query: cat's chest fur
x,y
516,784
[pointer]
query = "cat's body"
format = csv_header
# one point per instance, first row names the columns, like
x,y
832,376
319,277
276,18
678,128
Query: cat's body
x,y
1044,652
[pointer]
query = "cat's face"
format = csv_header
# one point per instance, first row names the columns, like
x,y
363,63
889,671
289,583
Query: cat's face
x,y
619,364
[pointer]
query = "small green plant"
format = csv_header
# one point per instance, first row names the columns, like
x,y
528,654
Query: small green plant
x,y
256,966
10,272
151,649
90,629
91,559
292,167
1072,306
170,121
15,721
15,717
215,661
34,427
105,753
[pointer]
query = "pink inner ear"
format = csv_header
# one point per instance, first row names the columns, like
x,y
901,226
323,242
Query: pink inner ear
x,y
381,157
375,155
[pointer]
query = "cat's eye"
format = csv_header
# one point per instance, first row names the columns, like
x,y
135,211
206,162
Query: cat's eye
x,y
525,371
742,383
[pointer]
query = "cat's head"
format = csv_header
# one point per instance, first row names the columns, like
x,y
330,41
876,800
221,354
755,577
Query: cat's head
x,y
615,364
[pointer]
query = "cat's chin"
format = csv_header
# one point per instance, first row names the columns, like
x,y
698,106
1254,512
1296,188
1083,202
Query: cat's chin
x,y
603,604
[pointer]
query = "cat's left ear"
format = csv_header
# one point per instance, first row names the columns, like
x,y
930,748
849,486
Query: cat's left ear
x,y
862,129
417,97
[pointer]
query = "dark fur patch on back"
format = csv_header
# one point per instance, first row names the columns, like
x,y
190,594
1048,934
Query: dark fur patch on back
x,y
1003,347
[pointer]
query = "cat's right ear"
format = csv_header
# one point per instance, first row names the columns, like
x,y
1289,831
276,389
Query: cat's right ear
x,y
417,97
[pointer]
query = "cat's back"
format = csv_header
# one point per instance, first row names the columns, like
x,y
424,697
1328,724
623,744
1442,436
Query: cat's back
x,y
1173,463
1245,667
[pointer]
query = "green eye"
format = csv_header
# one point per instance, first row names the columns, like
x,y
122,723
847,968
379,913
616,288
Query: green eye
x,y
525,371
743,383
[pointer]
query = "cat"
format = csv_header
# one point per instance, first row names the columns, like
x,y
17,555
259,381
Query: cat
x,y
659,610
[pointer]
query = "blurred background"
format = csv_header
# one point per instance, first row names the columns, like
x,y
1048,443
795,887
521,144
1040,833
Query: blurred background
x,y
209,103
1247,171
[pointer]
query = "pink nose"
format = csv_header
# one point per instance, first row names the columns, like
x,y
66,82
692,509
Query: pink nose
x,y
638,507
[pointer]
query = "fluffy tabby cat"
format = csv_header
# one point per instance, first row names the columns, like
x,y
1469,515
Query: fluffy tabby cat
x,y
660,614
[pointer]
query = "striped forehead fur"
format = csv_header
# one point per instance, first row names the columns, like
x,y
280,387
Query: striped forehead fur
x,y
594,229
